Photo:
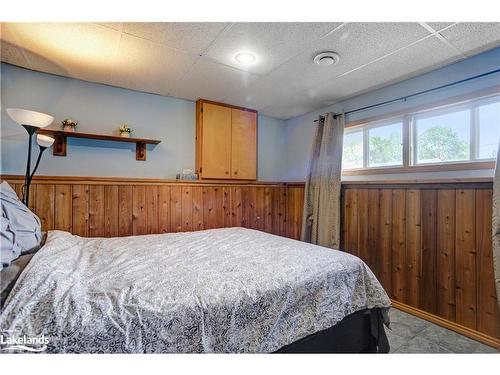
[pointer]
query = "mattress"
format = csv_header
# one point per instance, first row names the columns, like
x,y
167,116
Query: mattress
x,y
230,290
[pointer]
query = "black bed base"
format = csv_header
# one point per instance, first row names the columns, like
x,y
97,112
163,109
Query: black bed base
x,y
361,332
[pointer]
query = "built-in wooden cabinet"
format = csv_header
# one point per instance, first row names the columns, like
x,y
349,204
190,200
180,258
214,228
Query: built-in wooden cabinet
x,y
226,141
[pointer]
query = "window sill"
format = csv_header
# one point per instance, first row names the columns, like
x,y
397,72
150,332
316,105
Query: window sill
x,y
421,168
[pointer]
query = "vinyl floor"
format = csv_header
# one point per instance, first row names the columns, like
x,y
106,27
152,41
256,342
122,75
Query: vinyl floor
x,y
409,334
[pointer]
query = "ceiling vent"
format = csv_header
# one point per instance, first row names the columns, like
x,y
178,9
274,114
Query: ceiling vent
x,y
326,58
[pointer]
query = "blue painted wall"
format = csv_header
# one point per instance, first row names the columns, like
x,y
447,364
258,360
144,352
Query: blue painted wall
x,y
283,146
300,130
102,109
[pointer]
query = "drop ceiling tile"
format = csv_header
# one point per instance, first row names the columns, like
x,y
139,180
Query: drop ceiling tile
x,y
424,56
437,26
355,44
473,37
271,43
79,50
112,25
147,66
193,37
294,105
209,80
12,54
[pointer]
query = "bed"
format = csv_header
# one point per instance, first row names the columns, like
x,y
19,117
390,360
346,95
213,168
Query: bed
x,y
230,290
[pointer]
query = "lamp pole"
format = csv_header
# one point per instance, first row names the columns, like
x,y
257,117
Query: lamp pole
x,y
26,191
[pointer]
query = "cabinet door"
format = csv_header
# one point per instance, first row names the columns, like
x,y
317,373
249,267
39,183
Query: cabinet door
x,y
244,145
216,141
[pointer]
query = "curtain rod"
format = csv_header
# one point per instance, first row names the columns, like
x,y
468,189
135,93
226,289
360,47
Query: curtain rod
x,y
404,98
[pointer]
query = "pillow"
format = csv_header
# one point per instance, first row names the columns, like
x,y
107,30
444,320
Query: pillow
x,y
20,228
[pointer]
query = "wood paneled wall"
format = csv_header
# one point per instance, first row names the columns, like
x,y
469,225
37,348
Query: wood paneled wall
x,y
429,245
107,208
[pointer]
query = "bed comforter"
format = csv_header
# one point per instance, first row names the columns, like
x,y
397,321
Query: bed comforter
x,y
221,290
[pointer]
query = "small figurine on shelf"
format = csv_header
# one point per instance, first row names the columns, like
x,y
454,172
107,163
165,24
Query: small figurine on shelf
x,y
69,125
125,131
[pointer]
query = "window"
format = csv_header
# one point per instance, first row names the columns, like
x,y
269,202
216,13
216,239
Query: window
x,y
456,134
385,145
353,150
442,138
379,145
489,130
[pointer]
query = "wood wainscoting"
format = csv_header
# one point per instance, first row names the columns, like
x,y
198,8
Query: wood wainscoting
x,y
109,207
429,243
430,246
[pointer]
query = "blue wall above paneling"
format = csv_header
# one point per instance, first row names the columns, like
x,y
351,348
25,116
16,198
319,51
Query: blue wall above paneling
x,y
300,130
102,109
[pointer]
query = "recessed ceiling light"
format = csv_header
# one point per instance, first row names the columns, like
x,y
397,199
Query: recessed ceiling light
x,y
245,58
326,58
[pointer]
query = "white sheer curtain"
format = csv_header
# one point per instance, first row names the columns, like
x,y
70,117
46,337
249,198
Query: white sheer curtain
x,y
321,217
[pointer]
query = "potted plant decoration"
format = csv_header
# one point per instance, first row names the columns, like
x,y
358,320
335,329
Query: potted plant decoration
x,y
125,131
69,125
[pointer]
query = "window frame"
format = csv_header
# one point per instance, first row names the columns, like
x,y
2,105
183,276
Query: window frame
x,y
409,129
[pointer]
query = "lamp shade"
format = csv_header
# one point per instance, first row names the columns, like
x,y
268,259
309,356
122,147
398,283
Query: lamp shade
x,y
44,140
31,118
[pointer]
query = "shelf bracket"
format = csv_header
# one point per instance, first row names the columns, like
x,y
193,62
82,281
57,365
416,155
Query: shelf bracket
x,y
140,151
59,148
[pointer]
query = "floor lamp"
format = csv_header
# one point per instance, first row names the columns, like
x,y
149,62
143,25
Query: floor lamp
x,y
32,121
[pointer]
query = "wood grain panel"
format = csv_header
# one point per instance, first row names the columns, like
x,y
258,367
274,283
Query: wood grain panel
x,y
432,247
487,315
385,240
139,219
295,198
279,211
18,188
428,266
151,209
284,206
111,214
446,254
247,206
176,208
269,210
236,207
125,210
465,258
63,208
259,218
213,213
164,209
374,230
96,211
398,248
351,223
187,208
363,226
197,195
413,246
44,205
226,206
80,218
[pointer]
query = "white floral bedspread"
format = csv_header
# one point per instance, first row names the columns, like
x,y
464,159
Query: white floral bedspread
x,y
220,290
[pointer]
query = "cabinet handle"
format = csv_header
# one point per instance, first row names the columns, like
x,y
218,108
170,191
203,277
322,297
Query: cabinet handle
x,y
227,172
235,172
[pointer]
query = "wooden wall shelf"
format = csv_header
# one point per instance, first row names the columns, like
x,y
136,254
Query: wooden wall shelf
x,y
59,148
